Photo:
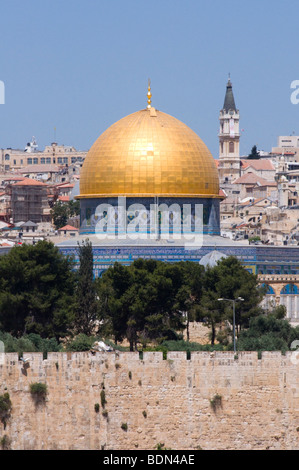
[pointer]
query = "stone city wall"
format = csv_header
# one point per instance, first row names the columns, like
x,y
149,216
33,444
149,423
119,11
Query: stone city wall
x,y
208,401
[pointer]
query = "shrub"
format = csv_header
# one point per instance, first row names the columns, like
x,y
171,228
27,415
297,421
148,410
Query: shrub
x,y
103,398
96,407
161,446
5,408
5,442
81,342
29,343
267,333
216,402
124,426
38,391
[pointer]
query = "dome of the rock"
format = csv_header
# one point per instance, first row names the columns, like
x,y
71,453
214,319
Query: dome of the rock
x,y
149,153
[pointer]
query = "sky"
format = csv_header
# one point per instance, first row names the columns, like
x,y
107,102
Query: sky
x,y
72,68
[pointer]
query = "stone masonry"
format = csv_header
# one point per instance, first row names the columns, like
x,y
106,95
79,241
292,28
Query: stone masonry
x,y
152,400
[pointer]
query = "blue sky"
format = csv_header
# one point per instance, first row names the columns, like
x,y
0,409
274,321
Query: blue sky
x,y
80,66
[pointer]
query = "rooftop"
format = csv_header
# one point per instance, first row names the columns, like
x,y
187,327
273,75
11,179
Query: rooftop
x,y
252,178
40,169
260,164
29,182
68,228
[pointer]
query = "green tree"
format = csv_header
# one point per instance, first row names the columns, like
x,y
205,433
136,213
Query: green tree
x,y
86,309
190,291
146,301
59,214
36,290
269,332
235,281
210,311
229,280
110,289
62,211
254,154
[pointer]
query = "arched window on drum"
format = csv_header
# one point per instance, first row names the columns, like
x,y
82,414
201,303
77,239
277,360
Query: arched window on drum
x,y
268,302
290,299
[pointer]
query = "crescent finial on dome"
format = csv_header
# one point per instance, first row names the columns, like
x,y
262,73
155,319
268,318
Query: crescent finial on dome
x,y
149,95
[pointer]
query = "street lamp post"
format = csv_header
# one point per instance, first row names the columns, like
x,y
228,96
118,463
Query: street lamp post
x,y
234,317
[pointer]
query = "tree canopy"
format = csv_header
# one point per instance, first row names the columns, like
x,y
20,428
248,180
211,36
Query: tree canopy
x,y
229,280
86,304
268,333
36,290
145,301
254,154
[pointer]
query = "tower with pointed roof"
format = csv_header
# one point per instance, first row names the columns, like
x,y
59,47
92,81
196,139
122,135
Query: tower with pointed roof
x,y
229,138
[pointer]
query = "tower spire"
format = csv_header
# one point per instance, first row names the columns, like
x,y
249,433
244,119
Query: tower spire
x,y
149,95
229,100
229,139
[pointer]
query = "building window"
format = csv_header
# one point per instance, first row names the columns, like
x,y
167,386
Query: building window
x,y
43,160
65,160
15,162
231,148
48,160
7,157
59,159
35,161
289,289
29,161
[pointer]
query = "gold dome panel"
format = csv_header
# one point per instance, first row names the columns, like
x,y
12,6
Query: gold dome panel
x,y
149,153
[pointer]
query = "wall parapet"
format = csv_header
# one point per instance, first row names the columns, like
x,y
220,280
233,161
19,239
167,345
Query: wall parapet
x,y
146,357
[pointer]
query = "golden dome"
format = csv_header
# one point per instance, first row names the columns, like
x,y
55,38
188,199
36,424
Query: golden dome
x,y
149,153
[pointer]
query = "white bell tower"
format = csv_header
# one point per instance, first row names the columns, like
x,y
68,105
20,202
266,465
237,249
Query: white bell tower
x,y
229,139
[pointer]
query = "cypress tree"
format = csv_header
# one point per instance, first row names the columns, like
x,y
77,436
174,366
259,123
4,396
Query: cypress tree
x,y
86,298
